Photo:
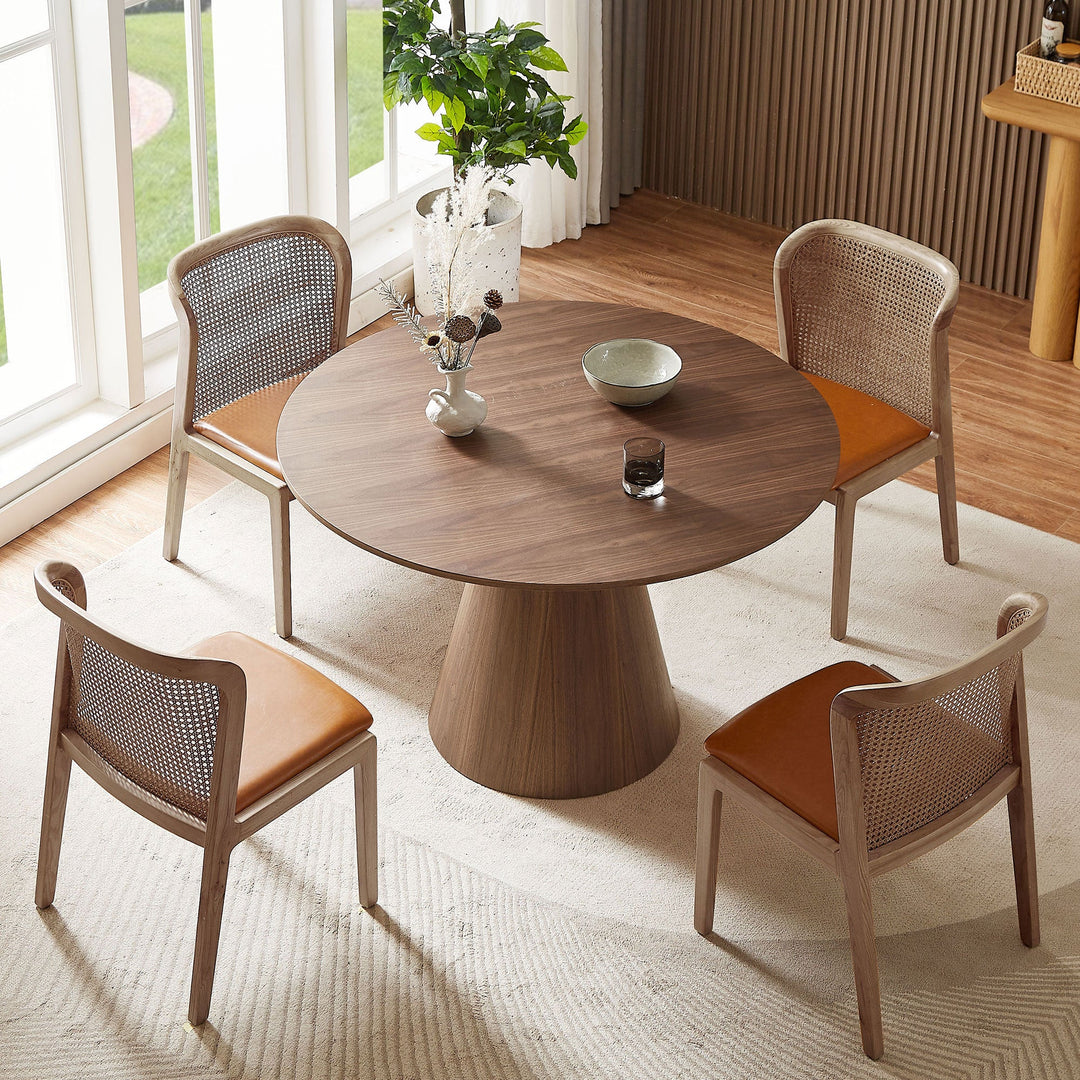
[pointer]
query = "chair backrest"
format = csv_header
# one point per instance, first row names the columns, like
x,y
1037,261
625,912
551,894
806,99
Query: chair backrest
x,y
927,746
256,306
155,720
863,307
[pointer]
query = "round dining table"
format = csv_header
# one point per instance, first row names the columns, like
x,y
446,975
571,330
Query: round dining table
x,y
554,683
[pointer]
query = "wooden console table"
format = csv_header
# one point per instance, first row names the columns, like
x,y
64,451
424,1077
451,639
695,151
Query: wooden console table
x,y
1054,334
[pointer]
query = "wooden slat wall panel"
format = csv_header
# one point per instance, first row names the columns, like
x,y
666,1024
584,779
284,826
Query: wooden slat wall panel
x,y
784,111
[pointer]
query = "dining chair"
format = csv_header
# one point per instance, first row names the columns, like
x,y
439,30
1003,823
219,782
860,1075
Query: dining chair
x,y
865,315
259,308
211,745
866,773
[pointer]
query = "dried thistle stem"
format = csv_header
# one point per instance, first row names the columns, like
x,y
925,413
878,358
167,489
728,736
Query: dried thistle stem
x,y
404,313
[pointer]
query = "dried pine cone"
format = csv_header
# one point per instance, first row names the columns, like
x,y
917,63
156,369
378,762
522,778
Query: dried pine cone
x,y
493,299
460,329
490,325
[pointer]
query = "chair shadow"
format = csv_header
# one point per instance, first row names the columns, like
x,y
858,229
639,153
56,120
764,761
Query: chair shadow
x,y
424,969
355,647
109,1017
629,816
113,1027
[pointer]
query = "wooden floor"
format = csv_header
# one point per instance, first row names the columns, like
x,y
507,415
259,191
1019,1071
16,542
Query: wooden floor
x,y
1017,418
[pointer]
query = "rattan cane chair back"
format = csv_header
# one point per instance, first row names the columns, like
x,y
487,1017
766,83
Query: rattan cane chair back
x,y
865,308
926,747
145,717
263,305
920,761
156,731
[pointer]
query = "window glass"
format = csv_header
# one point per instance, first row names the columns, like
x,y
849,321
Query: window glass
x,y
369,176
364,37
22,18
3,332
378,141
161,132
416,157
207,24
36,340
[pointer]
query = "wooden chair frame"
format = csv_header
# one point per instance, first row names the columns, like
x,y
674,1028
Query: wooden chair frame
x,y
187,441
223,828
849,858
937,446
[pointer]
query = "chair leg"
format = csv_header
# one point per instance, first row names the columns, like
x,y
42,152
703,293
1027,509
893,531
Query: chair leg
x,y
279,542
367,826
1022,833
710,803
946,493
860,915
174,501
57,775
208,929
843,539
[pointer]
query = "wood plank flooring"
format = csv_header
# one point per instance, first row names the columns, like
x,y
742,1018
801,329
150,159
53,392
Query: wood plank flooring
x,y
1017,418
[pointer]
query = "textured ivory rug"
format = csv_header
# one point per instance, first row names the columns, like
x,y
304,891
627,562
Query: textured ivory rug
x,y
520,938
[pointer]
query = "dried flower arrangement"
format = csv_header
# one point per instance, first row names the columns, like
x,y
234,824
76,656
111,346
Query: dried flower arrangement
x,y
463,315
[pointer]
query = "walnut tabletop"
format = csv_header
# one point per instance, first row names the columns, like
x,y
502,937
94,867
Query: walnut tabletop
x,y
533,497
1055,334
554,682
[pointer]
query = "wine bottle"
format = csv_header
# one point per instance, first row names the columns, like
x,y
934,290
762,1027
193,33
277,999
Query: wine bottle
x,y
1055,17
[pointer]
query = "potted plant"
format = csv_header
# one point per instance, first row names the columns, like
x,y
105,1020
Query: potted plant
x,y
494,106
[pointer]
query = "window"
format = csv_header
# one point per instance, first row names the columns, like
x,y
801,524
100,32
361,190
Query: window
x,y
141,127
40,366
174,150
388,162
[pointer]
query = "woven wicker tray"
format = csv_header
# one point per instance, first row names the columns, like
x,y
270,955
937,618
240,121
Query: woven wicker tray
x,y
1046,78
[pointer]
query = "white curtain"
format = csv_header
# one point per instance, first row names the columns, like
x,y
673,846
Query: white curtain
x,y
557,207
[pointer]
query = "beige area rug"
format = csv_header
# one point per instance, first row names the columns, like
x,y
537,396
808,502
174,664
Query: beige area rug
x,y
521,938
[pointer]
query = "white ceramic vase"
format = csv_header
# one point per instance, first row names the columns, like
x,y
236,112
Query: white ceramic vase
x,y
455,411
498,257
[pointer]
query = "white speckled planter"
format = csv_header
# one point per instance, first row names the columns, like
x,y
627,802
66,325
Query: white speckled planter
x,y
500,252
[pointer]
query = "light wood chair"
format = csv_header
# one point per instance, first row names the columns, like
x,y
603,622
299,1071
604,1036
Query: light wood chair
x,y
867,777
211,746
865,315
259,308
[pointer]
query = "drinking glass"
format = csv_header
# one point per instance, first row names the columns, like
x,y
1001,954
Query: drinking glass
x,y
643,468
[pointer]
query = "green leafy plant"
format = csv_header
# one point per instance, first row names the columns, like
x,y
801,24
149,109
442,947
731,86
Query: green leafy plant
x,y
497,107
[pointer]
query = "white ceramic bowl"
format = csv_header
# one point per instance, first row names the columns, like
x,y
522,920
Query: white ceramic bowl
x,y
631,371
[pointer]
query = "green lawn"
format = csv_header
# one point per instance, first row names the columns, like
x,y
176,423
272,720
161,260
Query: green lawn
x,y
365,89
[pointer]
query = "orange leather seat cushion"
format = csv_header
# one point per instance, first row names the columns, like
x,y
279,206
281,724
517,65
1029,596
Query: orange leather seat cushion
x,y
784,745
248,427
295,716
870,431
